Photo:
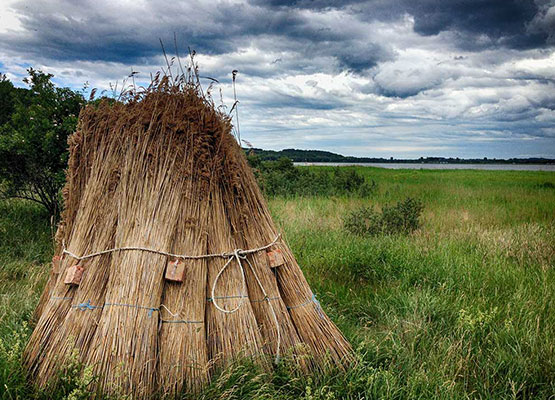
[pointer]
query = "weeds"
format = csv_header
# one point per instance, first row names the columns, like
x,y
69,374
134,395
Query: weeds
x,y
402,218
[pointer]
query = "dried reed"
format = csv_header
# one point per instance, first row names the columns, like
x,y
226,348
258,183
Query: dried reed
x,y
162,171
247,207
61,327
183,347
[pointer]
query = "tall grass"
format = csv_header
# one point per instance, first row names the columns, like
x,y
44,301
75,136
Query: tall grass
x,y
461,308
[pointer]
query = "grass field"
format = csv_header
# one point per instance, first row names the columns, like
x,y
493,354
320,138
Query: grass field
x,y
462,308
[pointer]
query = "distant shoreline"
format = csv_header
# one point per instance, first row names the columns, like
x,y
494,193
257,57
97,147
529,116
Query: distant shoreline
x,y
319,156
440,166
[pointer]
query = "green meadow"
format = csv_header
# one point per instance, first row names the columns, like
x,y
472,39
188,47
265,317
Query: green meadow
x,y
462,308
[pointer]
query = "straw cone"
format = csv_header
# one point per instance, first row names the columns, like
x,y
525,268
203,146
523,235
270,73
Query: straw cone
x,y
162,173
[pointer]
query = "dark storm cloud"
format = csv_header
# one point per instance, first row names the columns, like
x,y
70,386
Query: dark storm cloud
x,y
87,32
308,4
503,21
475,23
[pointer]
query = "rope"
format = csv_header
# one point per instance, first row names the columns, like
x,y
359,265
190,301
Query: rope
x,y
237,254
278,330
88,306
150,309
176,321
239,296
312,299
208,299
165,253
180,321
265,299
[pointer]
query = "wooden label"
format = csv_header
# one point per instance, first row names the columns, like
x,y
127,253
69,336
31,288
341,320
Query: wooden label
x,y
275,258
56,264
175,271
74,275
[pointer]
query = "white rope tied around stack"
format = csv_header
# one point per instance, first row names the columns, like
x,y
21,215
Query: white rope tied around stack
x,y
240,265
237,254
226,254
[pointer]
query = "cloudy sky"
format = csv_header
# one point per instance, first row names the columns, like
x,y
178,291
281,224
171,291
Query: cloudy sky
x,y
401,78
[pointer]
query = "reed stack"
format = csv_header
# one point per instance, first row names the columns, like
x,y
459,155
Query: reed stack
x,y
168,265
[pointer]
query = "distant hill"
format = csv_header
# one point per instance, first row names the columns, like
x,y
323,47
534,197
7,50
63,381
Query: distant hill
x,y
327,156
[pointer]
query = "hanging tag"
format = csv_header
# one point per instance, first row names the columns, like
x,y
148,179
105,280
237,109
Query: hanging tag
x,y
56,264
74,275
175,271
275,258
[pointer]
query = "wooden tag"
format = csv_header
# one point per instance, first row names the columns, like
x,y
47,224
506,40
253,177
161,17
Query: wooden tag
x,y
56,264
275,258
175,271
74,275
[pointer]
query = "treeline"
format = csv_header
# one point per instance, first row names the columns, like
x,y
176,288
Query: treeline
x,y
296,155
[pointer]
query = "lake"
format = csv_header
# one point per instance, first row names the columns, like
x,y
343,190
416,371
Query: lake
x,y
491,167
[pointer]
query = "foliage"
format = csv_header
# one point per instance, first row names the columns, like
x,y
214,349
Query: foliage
x,y
12,373
460,309
318,156
363,221
546,185
282,178
299,155
33,138
402,218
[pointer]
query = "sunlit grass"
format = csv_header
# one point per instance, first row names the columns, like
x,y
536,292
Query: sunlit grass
x,y
462,308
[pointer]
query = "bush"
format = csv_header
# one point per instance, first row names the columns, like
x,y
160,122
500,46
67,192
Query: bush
x,y
363,221
402,218
282,178
546,185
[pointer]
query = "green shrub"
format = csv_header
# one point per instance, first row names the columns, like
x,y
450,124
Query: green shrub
x,y
546,185
363,221
402,218
282,178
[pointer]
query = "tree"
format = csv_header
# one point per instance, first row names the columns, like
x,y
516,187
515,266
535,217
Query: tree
x,y
33,139
7,99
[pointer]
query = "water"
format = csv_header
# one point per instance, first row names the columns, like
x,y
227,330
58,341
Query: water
x,y
491,167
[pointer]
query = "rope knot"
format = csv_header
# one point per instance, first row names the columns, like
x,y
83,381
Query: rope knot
x,y
240,253
318,306
85,306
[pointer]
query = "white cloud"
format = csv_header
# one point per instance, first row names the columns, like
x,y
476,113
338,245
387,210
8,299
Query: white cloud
x,y
9,20
332,79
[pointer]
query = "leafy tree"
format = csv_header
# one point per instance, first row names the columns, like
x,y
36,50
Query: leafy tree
x,y
7,99
33,138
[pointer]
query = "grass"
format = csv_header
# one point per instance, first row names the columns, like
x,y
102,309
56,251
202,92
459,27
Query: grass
x,y
462,308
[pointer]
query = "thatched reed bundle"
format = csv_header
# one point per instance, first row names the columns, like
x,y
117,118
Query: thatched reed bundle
x,y
159,202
